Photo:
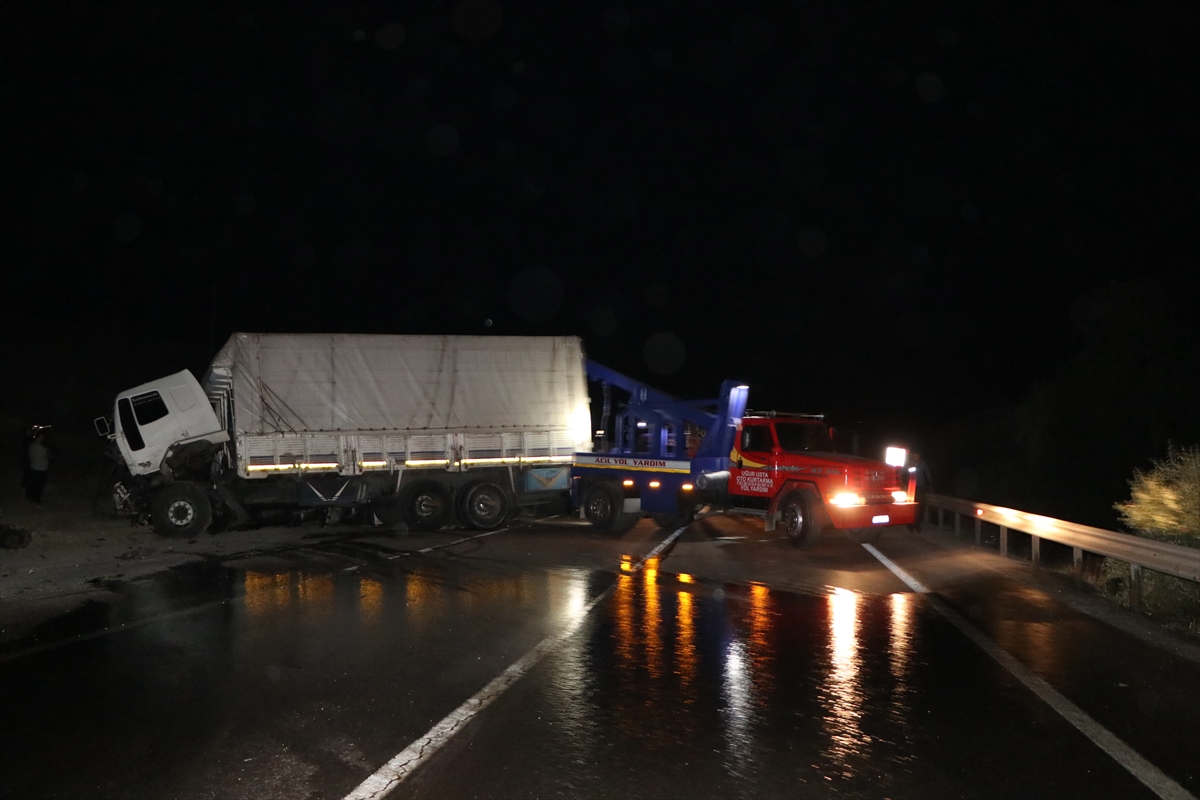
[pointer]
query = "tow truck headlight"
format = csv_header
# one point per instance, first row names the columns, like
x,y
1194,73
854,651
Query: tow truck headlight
x,y
846,499
899,496
895,456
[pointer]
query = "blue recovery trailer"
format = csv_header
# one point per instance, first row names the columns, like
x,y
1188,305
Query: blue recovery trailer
x,y
652,451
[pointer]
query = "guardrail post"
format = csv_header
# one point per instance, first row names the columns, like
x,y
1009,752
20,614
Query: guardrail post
x,y
1135,586
1036,550
1003,541
1077,565
978,531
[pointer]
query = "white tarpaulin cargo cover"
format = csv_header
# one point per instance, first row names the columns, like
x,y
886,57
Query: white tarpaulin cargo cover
x,y
358,382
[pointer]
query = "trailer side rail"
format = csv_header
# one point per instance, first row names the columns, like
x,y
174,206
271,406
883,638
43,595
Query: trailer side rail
x,y
357,452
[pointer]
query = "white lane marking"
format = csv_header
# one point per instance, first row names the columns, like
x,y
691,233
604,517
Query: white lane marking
x,y
448,544
1154,778
402,765
663,545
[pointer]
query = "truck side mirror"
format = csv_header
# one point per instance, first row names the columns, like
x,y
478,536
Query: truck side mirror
x,y
101,424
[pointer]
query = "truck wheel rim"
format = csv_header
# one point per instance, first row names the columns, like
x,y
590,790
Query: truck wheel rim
x,y
600,508
428,505
485,506
793,520
180,513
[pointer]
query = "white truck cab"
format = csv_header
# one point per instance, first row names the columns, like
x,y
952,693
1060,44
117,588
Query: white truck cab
x,y
151,418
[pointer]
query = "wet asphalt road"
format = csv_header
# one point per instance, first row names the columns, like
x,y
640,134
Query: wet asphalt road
x,y
730,666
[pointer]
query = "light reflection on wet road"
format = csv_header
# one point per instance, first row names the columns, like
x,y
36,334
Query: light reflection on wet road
x,y
292,679
688,689
297,685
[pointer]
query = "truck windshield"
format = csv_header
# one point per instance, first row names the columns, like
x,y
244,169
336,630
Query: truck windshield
x,y
797,437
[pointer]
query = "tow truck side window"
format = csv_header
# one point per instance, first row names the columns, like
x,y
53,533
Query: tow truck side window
x,y
757,439
799,437
642,442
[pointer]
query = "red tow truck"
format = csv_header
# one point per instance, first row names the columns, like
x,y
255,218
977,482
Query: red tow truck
x,y
785,467
671,459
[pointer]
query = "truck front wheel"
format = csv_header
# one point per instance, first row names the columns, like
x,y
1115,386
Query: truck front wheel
x,y
180,509
795,513
483,506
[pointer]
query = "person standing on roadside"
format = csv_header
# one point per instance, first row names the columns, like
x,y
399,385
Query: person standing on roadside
x,y
26,439
39,466
919,472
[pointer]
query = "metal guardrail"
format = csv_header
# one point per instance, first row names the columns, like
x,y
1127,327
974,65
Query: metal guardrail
x,y
1138,552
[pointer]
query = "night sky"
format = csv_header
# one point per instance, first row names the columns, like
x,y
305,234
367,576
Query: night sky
x,y
887,210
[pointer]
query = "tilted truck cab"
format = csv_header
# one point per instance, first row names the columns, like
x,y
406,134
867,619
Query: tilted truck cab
x,y
157,421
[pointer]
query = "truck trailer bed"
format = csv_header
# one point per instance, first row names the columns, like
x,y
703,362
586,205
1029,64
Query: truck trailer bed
x,y
349,403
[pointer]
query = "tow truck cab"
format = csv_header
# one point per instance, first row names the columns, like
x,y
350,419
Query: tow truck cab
x,y
774,455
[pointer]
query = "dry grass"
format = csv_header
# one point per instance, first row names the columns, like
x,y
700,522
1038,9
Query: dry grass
x,y
1175,602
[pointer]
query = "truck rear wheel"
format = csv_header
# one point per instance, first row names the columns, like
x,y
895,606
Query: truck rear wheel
x,y
427,506
795,514
604,506
483,505
864,535
180,509
388,510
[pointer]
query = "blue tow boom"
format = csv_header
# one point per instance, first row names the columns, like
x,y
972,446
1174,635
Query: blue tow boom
x,y
653,450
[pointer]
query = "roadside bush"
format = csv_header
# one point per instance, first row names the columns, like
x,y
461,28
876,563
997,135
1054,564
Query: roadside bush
x,y
1164,504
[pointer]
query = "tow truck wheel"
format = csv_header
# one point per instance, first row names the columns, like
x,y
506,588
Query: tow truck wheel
x,y
681,518
670,522
864,535
667,522
427,506
180,509
483,506
604,506
796,515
